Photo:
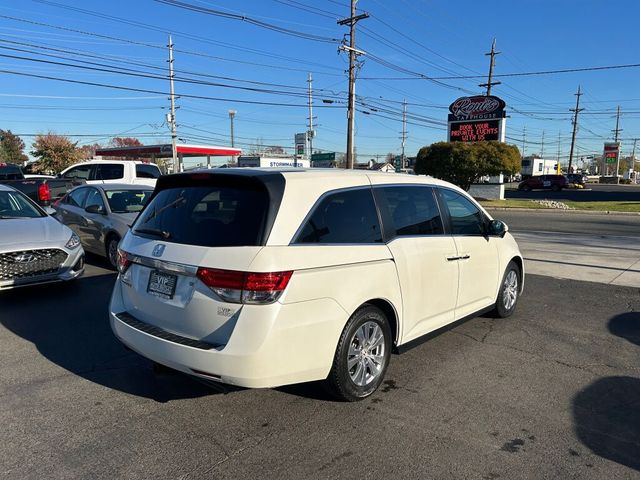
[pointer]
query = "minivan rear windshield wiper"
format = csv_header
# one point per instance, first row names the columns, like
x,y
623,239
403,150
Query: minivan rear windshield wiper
x,y
178,202
154,231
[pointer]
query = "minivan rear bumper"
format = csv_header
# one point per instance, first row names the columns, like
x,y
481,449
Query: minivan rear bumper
x,y
271,345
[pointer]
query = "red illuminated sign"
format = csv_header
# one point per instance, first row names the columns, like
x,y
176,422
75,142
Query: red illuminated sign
x,y
474,131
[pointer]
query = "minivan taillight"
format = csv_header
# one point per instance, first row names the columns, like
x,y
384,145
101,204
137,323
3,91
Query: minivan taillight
x,y
44,193
123,261
245,287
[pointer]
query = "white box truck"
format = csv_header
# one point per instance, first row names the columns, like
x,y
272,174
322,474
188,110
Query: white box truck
x,y
532,166
261,161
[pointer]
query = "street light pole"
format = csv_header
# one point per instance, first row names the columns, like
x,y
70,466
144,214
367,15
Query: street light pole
x,y
232,113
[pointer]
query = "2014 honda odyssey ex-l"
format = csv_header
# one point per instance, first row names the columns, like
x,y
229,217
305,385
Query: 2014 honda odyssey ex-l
x,y
263,277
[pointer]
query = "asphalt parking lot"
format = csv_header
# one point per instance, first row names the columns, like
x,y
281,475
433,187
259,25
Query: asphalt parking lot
x,y
552,392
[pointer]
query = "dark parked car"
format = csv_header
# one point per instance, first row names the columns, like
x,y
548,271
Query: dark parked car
x,y
577,178
41,190
544,182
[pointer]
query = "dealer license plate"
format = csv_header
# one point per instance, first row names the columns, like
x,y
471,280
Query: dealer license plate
x,y
162,284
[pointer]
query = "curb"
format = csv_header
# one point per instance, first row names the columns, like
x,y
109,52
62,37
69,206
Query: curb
x,y
560,210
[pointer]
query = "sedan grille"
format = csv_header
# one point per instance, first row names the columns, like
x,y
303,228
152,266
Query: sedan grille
x,y
30,263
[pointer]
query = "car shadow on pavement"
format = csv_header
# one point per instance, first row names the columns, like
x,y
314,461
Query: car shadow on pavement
x,y
69,325
627,326
606,414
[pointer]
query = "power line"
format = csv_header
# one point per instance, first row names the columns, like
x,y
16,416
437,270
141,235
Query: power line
x,y
247,19
183,34
142,90
142,74
516,74
84,53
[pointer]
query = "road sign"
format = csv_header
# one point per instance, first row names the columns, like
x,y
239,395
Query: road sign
x,y
300,149
398,163
320,157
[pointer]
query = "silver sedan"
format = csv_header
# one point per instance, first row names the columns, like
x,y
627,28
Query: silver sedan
x,y
102,214
34,248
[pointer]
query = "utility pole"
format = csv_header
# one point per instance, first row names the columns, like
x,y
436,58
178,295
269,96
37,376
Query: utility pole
x,y
351,21
633,159
311,132
542,147
617,130
575,127
524,140
492,63
558,164
172,119
404,131
616,133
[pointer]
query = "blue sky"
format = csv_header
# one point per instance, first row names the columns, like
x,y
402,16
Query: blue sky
x,y
431,38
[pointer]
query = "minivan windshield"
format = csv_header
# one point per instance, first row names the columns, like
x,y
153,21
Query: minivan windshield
x,y
210,216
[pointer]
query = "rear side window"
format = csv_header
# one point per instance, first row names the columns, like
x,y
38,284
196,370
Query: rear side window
x,y
413,210
146,170
10,172
94,198
210,216
81,172
110,171
76,197
348,216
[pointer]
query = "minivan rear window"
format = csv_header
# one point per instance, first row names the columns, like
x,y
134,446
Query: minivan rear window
x,y
209,216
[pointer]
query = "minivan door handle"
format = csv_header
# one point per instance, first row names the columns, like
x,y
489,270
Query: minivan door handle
x,y
464,257
453,258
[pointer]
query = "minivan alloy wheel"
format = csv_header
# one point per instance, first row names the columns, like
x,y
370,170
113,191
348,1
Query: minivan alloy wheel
x,y
366,355
362,355
510,290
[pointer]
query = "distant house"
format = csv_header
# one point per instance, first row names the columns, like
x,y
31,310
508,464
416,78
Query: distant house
x,y
383,167
373,165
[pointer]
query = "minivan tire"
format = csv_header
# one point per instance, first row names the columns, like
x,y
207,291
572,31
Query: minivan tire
x,y
366,344
555,188
509,291
526,188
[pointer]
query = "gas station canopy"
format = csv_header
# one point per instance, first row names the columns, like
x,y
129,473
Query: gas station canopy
x,y
164,151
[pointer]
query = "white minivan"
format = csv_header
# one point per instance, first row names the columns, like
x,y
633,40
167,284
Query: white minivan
x,y
132,172
266,277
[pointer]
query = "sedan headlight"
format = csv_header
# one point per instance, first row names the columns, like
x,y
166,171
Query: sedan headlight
x,y
74,242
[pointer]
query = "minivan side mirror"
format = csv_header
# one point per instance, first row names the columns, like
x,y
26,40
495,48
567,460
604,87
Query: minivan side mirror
x,y
497,228
95,209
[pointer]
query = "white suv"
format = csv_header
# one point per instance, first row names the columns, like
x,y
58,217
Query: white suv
x,y
263,277
132,172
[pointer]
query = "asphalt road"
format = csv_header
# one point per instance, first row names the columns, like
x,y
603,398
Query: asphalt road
x,y
569,222
552,392
593,193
